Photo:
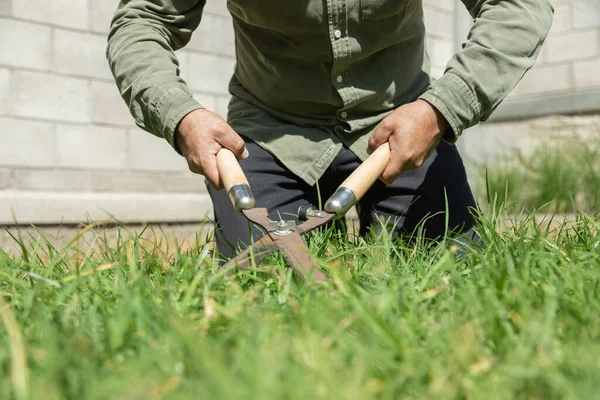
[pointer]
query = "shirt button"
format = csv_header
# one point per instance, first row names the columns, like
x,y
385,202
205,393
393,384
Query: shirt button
x,y
339,79
344,114
337,33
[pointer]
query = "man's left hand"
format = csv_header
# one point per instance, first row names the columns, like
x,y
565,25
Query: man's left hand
x,y
413,132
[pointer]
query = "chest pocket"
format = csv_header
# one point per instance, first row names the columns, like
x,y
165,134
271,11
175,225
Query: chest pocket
x,y
384,9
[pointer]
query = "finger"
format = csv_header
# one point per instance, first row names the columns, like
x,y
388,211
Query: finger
x,y
211,172
380,136
232,141
393,169
397,161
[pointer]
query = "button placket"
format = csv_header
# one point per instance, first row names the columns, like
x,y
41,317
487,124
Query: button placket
x,y
341,54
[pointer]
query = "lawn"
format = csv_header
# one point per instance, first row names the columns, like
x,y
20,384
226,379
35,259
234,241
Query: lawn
x,y
135,319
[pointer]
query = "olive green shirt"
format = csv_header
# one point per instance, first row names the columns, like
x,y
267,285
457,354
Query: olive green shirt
x,y
314,75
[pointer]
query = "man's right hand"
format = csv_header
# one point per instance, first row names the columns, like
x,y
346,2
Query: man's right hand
x,y
200,136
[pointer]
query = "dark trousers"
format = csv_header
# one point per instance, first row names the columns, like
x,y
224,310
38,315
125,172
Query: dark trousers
x,y
417,200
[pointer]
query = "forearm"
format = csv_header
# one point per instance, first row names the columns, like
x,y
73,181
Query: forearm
x,y
502,45
141,44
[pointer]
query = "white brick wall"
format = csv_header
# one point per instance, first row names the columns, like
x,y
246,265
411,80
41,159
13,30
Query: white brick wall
x,y
107,105
586,14
5,6
4,91
440,21
571,51
148,153
6,178
80,54
587,74
545,79
75,207
46,96
24,44
71,13
55,180
209,73
27,143
101,13
91,147
214,35
70,145
572,46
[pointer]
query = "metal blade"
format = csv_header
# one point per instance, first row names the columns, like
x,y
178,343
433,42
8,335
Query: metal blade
x,y
297,254
291,245
255,253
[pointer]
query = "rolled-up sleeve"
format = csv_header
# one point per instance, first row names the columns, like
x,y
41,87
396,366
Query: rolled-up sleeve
x,y
143,37
502,46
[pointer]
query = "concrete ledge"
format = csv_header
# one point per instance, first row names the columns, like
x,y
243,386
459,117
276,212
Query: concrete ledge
x,y
567,103
168,237
22,207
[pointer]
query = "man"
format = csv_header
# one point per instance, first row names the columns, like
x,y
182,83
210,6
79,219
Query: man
x,y
318,85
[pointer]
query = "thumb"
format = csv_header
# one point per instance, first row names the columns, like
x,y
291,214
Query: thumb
x,y
378,137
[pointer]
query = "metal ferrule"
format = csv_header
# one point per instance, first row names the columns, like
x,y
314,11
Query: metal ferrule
x,y
342,200
241,197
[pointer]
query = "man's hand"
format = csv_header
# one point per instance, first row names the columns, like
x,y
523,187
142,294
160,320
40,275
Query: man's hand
x,y
200,136
413,132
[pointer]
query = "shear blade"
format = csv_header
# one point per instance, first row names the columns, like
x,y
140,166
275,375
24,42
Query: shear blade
x,y
297,254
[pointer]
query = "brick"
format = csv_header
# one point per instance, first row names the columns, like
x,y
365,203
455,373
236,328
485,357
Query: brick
x,y
91,147
183,183
108,106
206,100
562,19
215,35
79,53
101,13
71,13
446,5
222,106
210,73
126,181
6,178
59,180
27,143
544,80
48,207
151,153
437,72
587,74
46,96
586,14
5,7
439,23
218,104
184,65
572,46
217,7
24,44
440,51
4,91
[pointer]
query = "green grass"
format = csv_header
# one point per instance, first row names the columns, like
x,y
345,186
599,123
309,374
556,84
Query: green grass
x,y
519,318
562,178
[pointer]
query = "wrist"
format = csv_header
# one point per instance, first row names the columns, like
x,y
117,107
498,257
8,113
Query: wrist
x,y
437,123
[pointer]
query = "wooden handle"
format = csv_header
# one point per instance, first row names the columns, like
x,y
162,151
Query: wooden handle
x,y
234,181
230,172
357,184
368,172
